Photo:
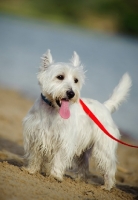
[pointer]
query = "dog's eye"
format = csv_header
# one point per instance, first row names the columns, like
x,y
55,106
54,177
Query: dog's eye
x,y
76,80
60,77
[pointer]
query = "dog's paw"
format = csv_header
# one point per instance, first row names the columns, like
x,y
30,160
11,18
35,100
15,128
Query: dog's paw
x,y
29,170
58,177
105,187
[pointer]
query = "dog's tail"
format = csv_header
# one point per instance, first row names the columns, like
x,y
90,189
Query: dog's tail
x,y
120,93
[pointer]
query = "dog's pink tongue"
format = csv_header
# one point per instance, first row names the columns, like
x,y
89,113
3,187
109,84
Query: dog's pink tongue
x,y
64,109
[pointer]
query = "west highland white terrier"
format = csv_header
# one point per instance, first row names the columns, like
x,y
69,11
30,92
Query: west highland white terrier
x,y
58,133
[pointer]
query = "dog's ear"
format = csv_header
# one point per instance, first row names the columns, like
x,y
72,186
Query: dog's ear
x,y
75,60
46,60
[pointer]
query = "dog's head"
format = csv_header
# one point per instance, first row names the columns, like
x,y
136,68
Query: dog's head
x,y
61,82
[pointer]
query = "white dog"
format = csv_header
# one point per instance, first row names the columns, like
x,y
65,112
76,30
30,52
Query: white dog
x,y
57,131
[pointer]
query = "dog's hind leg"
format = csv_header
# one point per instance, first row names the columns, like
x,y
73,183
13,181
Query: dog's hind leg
x,y
80,166
83,166
106,162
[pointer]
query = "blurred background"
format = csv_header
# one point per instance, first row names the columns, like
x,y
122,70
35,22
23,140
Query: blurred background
x,y
103,33
109,15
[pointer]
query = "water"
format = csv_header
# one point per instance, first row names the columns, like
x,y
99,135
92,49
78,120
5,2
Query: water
x,y
106,58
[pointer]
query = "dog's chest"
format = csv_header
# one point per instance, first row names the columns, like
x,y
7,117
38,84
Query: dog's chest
x,y
74,130
54,124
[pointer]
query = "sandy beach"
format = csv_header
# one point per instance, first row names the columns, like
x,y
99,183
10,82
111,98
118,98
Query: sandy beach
x,y
16,184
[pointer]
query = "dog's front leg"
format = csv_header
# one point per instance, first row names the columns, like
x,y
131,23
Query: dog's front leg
x,y
34,161
59,164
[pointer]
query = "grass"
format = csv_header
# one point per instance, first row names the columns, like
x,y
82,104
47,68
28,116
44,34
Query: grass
x,y
108,15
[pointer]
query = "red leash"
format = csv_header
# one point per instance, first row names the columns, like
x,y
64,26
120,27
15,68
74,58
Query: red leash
x,y
94,118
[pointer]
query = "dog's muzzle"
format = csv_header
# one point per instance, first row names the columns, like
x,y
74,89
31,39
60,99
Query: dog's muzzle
x,y
69,95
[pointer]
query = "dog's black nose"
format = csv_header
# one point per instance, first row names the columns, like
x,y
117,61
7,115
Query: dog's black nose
x,y
70,94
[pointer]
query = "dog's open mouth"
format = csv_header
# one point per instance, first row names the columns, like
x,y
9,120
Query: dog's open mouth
x,y
64,108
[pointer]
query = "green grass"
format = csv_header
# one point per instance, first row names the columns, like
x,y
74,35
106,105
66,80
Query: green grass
x,y
122,14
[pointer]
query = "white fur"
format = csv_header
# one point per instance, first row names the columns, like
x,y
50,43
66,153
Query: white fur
x,y
120,93
54,143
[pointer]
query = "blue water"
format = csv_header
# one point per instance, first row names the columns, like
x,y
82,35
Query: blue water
x,y
106,58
